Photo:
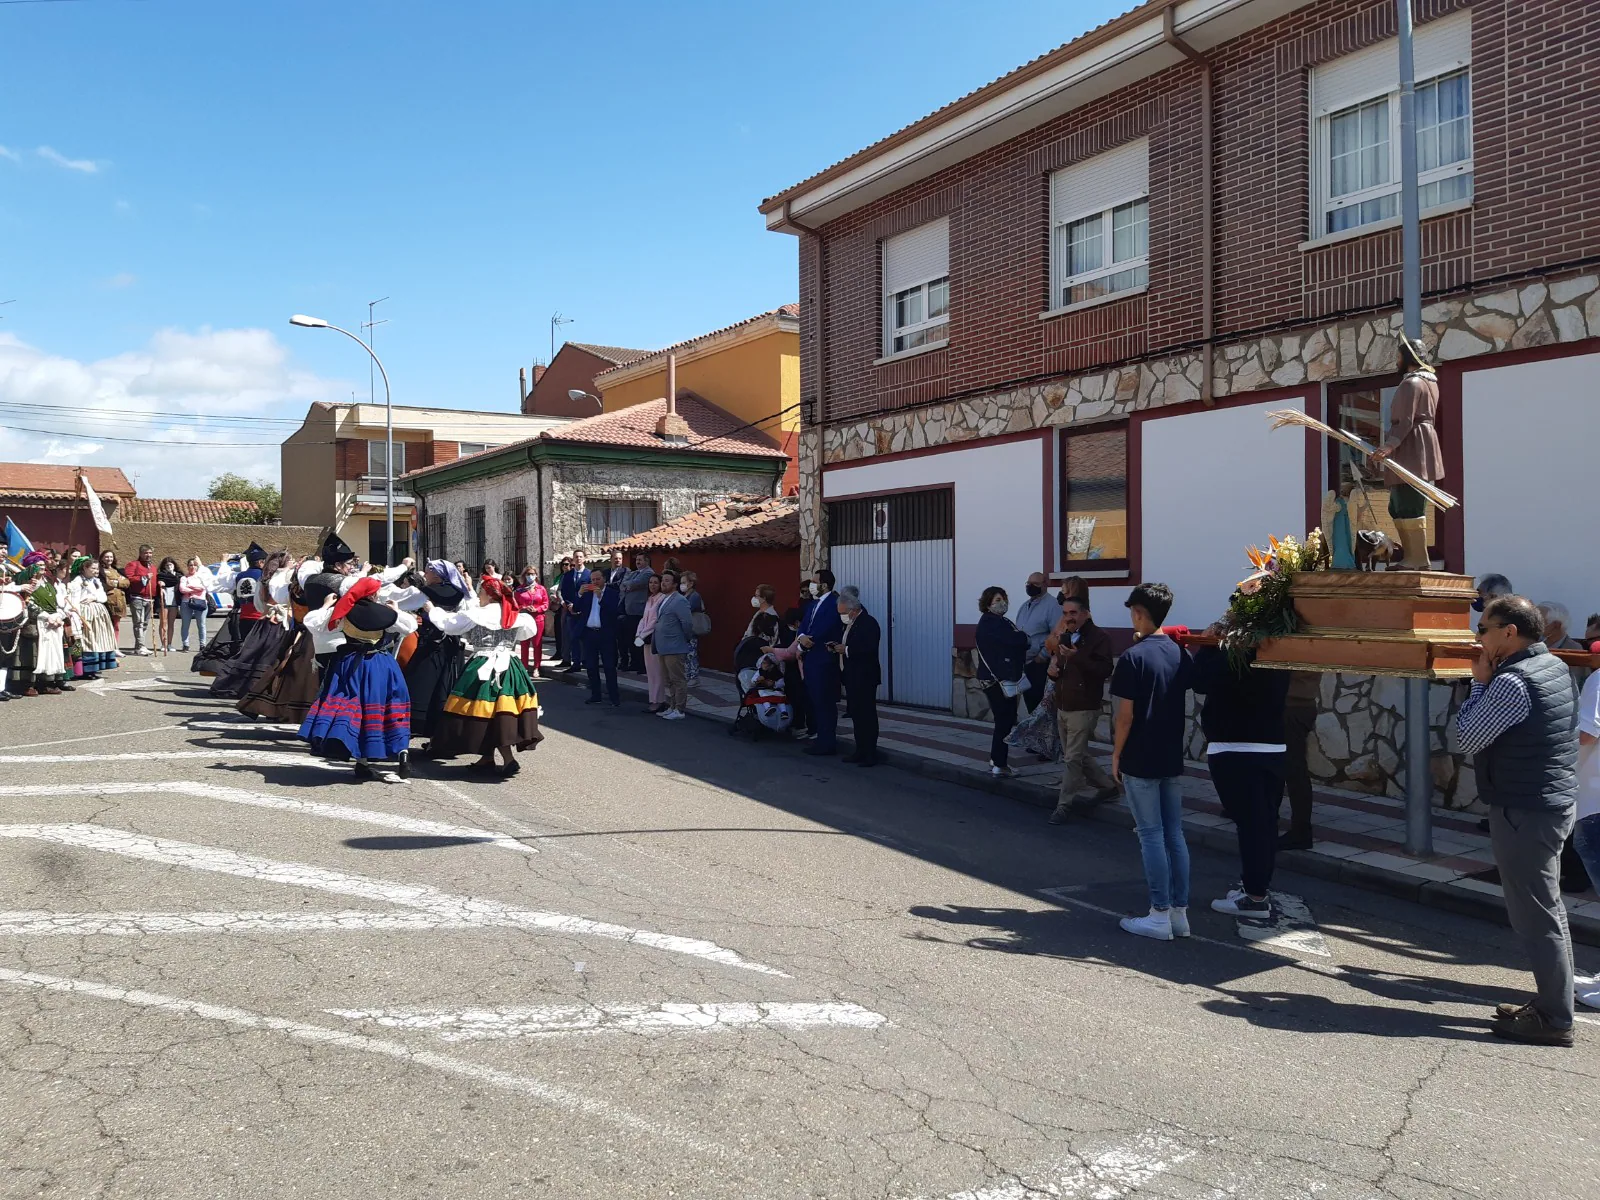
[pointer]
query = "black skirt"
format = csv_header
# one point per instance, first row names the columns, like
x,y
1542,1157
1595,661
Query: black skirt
x,y
288,688
259,648
432,672
224,644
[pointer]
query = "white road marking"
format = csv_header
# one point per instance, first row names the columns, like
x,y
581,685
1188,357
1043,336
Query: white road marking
x,y
505,822
275,728
41,923
102,686
297,758
464,909
302,1031
91,738
310,808
1292,930
1107,1175
542,1020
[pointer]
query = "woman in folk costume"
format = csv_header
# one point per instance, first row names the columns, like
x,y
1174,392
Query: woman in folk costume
x,y
19,635
363,711
116,585
87,596
436,663
493,706
50,665
287,689
263,625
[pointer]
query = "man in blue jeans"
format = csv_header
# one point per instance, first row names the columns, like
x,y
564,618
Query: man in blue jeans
x,y
1147,689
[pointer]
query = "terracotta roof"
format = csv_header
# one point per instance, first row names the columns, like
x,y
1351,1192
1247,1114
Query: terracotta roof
x,y
737,523
187,512
783,310
1078,45
712,430
21,480
616,355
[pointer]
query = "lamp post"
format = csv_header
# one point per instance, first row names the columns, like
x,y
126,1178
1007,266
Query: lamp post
x,y
306,322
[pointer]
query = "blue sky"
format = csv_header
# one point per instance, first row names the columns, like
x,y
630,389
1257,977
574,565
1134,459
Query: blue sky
x,y
184,174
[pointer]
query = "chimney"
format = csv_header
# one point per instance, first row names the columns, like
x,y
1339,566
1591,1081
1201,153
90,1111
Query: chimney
x,y
672,426
538,373
522,386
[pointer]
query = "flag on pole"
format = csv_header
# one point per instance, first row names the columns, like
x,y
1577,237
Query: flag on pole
x,y
17,543
96,509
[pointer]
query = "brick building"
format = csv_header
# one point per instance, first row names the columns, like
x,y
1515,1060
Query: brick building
x,y
573,368
334,473
1043,325
45,502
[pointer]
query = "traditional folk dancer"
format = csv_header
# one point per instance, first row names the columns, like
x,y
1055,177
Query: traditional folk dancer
x,y
493,705
23,660
436,663
87,597
1412,442
262,636
16,614
286,690
50,666
363,711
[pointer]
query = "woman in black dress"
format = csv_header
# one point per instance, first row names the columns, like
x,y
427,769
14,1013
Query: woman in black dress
x,y
436,663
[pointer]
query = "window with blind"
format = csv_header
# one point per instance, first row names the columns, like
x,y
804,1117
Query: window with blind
x,y
612,520
1094,499
916,288
1100,226
377,454
1355,104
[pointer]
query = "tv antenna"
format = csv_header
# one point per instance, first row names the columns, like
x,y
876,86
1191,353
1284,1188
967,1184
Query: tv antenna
x,y
369,325
555,320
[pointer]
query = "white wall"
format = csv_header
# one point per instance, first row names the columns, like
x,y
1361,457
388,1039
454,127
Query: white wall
x,y
1213,483
1528,435
999,513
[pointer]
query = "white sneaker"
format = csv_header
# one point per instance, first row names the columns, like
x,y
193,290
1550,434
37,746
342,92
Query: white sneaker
x,y
1156,924
1180,921
1001,772
671,714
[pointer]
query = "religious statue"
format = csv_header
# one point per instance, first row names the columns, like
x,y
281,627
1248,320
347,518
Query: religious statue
x,y
1411,441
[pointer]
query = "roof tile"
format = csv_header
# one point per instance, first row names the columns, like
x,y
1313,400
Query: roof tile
x,y
616,355
186,512
20,480
783,310
737,523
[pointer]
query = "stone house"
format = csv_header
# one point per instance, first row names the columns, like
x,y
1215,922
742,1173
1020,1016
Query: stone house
x,y
587,484
1059,309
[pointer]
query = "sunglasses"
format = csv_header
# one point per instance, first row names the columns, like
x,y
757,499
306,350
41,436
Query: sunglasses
x,y
1485,626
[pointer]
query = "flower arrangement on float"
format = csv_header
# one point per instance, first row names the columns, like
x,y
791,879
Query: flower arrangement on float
x,y
1261,606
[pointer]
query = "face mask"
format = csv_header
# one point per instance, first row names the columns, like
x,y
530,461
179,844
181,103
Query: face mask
x,y
1035,589
816,590
847,617
1477,605
999,607
755,601
684,588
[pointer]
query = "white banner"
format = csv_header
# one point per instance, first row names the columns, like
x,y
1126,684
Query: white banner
x,y
96,509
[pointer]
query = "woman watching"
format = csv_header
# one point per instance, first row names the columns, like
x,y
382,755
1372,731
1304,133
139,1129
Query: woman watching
x,y
1002,652
192,599
652,661
168,575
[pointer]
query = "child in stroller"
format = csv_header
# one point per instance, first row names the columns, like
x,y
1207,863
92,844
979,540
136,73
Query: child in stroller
x,y
763,702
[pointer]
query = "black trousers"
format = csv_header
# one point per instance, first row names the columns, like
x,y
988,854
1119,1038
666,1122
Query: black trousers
x,y
629,656
1250,787
863,702
600,652
1299,722
1004,708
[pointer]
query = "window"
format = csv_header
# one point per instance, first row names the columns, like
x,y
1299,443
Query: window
x,y
514,551
1356,102
477,540
916,287
612,520
466,448
1100,226
434,545
1094,499
375,458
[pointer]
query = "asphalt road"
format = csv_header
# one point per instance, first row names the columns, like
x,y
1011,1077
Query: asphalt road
x,y
665,963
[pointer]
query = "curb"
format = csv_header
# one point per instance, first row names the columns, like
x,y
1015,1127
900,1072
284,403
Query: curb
x,y
1446,895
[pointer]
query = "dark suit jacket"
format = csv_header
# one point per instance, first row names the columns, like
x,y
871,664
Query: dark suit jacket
x,y
822,625
569,584
862,671
610,606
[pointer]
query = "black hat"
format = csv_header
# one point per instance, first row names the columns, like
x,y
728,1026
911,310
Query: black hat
x,y
370,616
318,588
254,554
334,551
1412,348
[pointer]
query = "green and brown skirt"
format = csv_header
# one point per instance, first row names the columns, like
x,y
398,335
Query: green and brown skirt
x,y
484,715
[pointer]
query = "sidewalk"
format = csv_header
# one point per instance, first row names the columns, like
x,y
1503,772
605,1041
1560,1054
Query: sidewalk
x,y
1360,838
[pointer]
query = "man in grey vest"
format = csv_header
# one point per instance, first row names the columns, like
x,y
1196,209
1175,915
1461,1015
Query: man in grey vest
x,y
1520,726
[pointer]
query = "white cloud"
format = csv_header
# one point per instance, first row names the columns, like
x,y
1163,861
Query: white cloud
x,y
8,152
122,279
87,165
232,371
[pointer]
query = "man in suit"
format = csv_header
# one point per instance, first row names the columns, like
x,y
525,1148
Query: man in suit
x,y
596,618
569,587
819,628
635,587
858,657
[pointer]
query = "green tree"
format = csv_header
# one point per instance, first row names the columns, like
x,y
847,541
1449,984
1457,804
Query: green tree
x,y
265,496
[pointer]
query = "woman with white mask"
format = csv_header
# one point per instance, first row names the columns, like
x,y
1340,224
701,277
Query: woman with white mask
x,y
1002,654
764,601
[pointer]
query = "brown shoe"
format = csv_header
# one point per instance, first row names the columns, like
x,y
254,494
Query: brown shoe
x,y
1528,1025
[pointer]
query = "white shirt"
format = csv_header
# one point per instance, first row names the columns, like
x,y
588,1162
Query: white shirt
x,y
594,612
1589,756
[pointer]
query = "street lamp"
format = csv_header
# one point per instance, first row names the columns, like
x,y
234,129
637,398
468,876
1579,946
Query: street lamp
x,y
305,322
578,395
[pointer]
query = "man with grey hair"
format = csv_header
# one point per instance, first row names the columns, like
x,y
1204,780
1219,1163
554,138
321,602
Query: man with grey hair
x,y
1557,622
857,649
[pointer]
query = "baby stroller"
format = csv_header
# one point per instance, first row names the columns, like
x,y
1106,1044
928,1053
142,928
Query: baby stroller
x,y
763,704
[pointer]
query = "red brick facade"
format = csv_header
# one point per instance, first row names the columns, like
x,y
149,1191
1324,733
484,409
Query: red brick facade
x,y
1536,161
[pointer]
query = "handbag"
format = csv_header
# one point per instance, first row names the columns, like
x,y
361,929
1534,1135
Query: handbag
x,y
700,623
1009,688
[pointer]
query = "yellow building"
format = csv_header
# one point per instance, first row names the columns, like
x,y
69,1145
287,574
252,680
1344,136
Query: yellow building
x,y
751,370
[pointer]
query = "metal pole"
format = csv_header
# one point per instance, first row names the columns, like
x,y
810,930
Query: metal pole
x,y
388,466
1419,748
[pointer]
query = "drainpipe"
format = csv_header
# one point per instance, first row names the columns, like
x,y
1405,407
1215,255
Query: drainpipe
x,y
538,507
1207,217
820,345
